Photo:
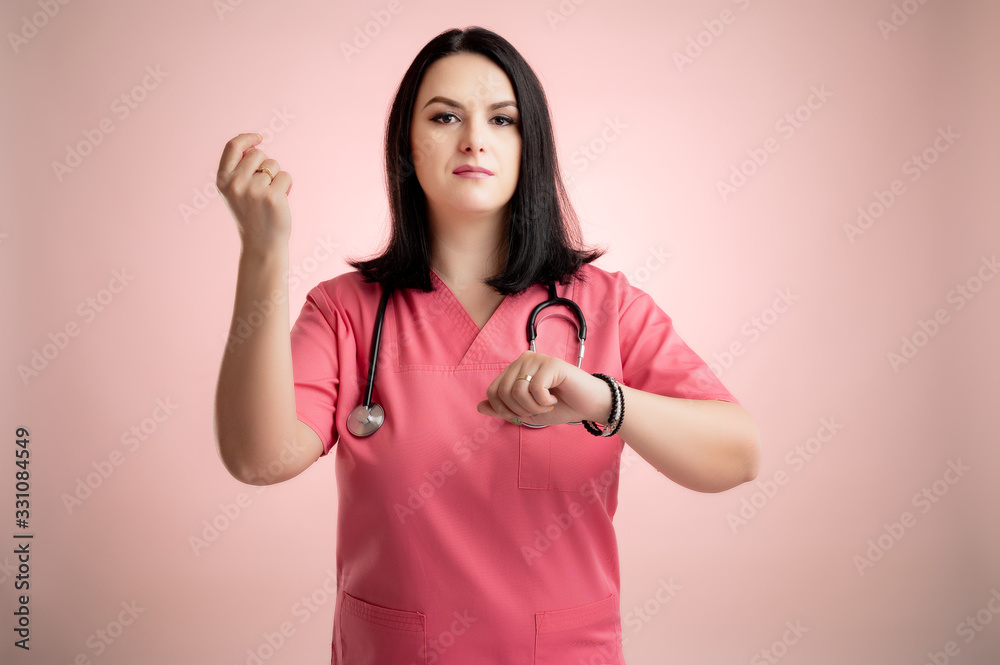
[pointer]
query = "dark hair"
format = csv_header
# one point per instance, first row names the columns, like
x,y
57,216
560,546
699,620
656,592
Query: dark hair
x,y
543,242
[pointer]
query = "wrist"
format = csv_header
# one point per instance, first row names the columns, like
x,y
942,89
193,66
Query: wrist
x,y
602,403
613,422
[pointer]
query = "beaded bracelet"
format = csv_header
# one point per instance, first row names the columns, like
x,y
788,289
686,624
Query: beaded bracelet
x,y
617,409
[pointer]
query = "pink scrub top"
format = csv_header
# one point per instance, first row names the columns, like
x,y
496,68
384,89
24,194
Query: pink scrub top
x,y
462,538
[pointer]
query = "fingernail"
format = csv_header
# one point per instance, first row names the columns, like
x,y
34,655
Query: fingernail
x,y
548,410
260,135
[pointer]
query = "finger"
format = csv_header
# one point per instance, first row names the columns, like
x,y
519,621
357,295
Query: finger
x,y
526,394
509,389
263,178
485,409
233,152
252,160
271,165
495,402
282,181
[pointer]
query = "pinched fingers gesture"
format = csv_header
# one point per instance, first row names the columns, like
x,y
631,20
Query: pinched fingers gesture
x,y
256,191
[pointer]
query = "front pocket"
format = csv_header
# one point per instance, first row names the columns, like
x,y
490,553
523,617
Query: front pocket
x,y
373,635
567,457
586,634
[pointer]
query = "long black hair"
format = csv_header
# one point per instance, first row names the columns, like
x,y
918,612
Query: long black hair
x,y
543,240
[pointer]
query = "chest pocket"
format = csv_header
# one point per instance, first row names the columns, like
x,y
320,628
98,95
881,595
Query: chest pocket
x,y
567,458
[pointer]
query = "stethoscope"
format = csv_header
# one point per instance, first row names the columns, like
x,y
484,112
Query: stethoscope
x,y
368,417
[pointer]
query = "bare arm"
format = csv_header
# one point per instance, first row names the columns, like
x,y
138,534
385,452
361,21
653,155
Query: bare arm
x,y
259,438
704,445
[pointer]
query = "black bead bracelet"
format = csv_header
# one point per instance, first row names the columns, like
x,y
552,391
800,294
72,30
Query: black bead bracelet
x,y
617,409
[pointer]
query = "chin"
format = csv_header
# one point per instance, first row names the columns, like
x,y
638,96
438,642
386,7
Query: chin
x,y
475,206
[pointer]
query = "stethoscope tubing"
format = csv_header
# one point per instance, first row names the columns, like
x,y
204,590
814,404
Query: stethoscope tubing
x,y
367,417
376,339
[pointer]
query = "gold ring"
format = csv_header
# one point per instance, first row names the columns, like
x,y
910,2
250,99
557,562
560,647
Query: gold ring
x,y
264,170
524,377
514,421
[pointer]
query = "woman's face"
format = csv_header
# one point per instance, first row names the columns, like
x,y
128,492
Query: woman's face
x,y
466,115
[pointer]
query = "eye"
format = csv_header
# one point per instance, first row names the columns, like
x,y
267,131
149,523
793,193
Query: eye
x,y
440,116
506,120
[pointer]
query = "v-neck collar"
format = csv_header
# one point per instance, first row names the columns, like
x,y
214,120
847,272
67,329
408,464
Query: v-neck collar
x,y
478,340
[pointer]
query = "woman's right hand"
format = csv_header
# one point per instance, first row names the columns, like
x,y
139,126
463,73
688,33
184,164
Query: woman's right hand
x,y
258,203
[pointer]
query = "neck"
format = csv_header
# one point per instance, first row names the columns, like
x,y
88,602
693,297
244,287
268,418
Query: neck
x,y
465,249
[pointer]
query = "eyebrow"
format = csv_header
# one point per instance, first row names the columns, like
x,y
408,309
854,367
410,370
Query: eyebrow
x,y
454,104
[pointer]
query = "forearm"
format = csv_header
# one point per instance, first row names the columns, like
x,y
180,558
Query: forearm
x,y
255,400
704,445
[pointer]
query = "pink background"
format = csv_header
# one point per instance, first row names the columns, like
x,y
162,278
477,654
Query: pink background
x,y
660,137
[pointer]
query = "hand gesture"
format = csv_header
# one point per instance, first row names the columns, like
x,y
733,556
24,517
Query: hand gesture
x,y
258,201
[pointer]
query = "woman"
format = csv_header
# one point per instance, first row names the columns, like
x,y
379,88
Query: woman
x,y
465,535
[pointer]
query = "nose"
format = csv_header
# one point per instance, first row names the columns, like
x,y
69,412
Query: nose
x,y
474,136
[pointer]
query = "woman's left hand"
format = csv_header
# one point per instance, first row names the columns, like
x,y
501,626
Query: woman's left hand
x,y
558,392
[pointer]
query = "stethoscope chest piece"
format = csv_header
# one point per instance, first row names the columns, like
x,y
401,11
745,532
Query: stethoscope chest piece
x,y
364,420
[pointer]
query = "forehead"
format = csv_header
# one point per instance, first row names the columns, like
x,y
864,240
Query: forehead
x,y
468,78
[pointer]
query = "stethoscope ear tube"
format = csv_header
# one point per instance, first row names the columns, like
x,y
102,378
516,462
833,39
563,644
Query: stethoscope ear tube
x,y
556,300
581,321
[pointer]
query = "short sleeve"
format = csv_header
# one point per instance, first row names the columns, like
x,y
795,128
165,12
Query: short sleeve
x,y
315,365
654,357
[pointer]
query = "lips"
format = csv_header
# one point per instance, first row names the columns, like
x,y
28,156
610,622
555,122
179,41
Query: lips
x,y
469,168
